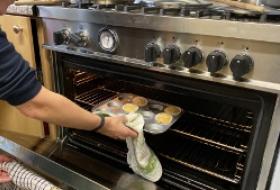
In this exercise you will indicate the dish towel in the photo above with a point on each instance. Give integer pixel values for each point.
(141, 159)
(24, 179)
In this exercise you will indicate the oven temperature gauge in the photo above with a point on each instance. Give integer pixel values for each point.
(108, 40)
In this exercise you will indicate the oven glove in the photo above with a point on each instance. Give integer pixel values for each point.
(24, 179)
(141, 159)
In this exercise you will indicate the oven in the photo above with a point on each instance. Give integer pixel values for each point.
(218, 143)
(226, 83)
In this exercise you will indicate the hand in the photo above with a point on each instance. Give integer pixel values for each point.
(114, 127)
(4, 177)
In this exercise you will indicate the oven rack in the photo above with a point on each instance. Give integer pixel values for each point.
(101, 145)
(213, 143)
(234, 180)
(225, 123)
(82, 78)
(84, 81)
(95, 96)
(190, 154)
(212, 134)
(235, 143)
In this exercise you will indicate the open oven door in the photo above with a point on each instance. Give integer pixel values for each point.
(38, 157)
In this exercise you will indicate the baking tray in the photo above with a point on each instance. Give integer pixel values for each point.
(158, 116)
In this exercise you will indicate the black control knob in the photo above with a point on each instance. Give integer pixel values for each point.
(241, 65)
(171, 54)
(192, 57)
(79, 39)
(152, 52)
(215, 61)
(61, 37)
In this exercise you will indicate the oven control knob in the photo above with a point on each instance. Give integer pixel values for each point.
(171, 54)
(215, 61)
(61, 37)
(192, 57)
(152, 52)
(241, 65)
(79, 39)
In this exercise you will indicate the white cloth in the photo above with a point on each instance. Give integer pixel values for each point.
(141, 159)
(24, 179)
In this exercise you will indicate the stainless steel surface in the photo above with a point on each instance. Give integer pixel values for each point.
(261, 51)
(271, 3)
(252, 84)
(50, 168)
(270, 147)
(106, 174)
(265, 32)
(108, 2)
(258, 40)
(276, 175)
(257, 85)
(178, 3)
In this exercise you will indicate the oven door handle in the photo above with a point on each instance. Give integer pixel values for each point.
(48, 167)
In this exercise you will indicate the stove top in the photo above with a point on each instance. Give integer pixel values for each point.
(202, 10)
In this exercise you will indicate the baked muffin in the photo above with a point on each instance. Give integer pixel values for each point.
(173, 110)
(140, 101)
(164, 118)
(130, 108)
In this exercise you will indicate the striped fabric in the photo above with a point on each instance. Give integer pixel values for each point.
(24, 179)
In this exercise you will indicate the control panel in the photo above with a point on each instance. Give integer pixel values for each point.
(206, 56)
(215, 61)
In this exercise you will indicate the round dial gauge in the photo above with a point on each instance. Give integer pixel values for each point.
(108, 40)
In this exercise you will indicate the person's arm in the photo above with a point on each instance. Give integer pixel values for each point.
(19, 87)
(54, 108)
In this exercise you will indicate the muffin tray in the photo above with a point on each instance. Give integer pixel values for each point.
(158, 116)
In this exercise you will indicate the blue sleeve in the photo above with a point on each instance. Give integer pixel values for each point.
(18, 82)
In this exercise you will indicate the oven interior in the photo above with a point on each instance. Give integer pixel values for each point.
(217, 144)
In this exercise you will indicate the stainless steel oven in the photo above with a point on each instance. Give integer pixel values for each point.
(225, 81)
(217, 144)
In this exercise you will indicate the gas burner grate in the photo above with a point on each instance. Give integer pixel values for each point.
(103, 7)
(170, 12)
(151, 10)
(203, 12)
(234, 14)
